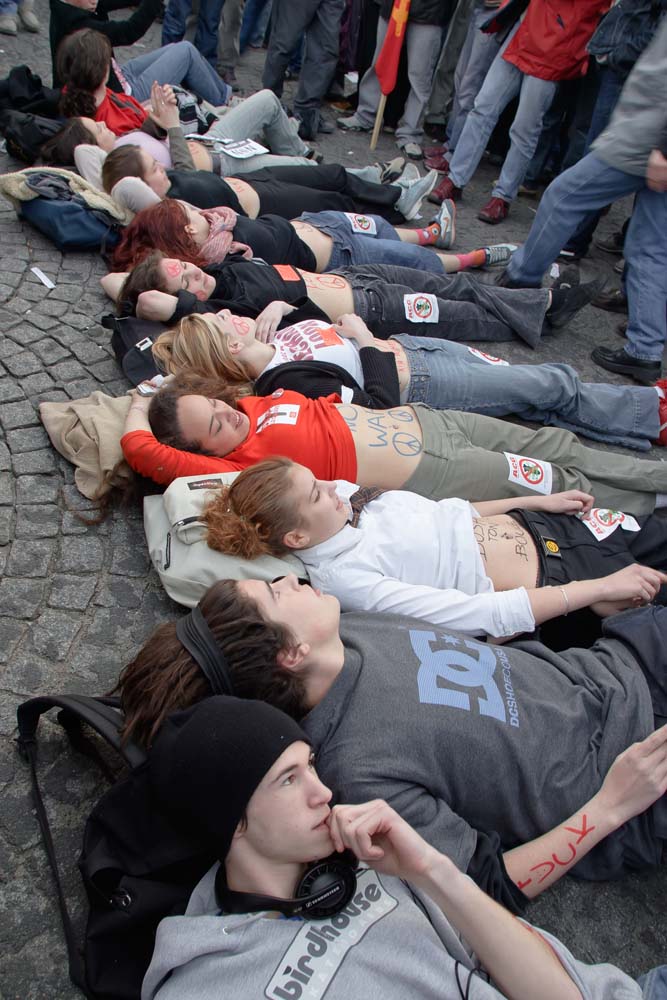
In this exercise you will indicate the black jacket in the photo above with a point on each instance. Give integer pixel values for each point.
(625, 31)
(320, 378)
(65, 19)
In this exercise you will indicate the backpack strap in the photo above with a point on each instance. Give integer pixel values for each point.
(104, 716)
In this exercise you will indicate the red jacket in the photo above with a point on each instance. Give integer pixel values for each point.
(121, 113)
(552, 38)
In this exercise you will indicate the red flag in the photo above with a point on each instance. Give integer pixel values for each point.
(386, 64)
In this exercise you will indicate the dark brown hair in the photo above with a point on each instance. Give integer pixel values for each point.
(145, 277)
(164, 678)
(163, 409)
(122, 162)
(82, 63)
(59, 149)
(251, 517)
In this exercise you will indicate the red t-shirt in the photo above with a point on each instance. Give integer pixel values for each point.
(120, 112)
(309, 431)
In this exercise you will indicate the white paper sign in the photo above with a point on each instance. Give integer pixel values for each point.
(602, 522)
(362, 224)
(421, 308)
(489, 358)
(283, 413)
(530, 473)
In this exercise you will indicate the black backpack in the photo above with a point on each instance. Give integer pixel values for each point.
(131, 340)
(136, 867)
(25, 134)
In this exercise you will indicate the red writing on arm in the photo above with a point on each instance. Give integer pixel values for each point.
(550, 863)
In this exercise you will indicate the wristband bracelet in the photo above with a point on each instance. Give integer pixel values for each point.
(567, 601)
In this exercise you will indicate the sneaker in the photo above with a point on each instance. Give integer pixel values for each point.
(27, 15)
(612, 243)
(353, 124)
(409, 176)
(8, 25)
(446, 219)
(578, 297)
(662, 412)
(496, 210)
(438, 162)
(499, 254)
(390, 170)
(619, 361)
(411, 198)
(445, 190)
(413, 151)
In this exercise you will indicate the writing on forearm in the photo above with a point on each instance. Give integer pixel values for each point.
(564, 857)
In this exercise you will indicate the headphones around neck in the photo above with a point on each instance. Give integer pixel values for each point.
(325, 888)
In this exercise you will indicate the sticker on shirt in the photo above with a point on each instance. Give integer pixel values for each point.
(362, 224)
(602, 522)
(315, 955)
(277, 394)
(489, 358)
(301, 341)
(287, 272)
(529, 473)
(283, 413)
(206, 484)
(421, 308)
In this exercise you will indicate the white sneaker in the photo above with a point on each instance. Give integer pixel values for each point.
(446, 219)
(353, 124)
(8, 24)
(499, 254)
(413, 151)
(411, 198)
(27, 15)
(409, 176)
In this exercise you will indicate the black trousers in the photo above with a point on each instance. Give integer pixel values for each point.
(582, 556)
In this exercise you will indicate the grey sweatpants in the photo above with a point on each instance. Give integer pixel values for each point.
(464, 456)
(393, 300)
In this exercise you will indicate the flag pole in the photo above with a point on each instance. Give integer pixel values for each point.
(378, 120)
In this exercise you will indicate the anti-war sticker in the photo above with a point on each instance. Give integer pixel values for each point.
(529, 473)
(421, 308)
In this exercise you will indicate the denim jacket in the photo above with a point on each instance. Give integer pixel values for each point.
(624, 33)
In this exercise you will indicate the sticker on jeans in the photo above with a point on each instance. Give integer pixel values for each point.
(362, 224)
(602, 522)
(284, 413)
(489, 358)
(528, 472)
(421, 308)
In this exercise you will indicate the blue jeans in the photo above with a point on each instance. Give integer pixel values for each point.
(587, 186)
(503, 82)
(251, 15)
(206, 36)
(477, 54)
(384, 247)
(654, 983)
(177, 63)
(8, 6)
(451, 376)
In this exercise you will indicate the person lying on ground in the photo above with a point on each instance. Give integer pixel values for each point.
(317, 358)
(194, 426)
(497, 569)
(316, 241)
(502, 756)
(406, 923)
(388, 298)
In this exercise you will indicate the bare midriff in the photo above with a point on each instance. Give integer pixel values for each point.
(387, 443)
(402, 363)
(319, 242)
(330, 292)
(247, 196)
(507, 550)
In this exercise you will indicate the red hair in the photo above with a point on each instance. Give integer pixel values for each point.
(160, 227)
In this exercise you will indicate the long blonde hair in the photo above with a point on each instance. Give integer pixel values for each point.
(251, 517)
(197, 346)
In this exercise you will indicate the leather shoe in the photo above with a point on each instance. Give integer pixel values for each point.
(495, 211)
(439, 162)
(619, 361)
(612, 300)
(445, 189)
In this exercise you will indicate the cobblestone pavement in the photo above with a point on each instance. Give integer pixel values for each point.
(77, 601)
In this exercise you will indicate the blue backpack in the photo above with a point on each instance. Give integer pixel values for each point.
(71, 225)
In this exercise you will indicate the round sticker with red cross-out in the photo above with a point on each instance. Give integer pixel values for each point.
(530, 473)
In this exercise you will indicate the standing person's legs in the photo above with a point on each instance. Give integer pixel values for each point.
(482, 51)
(369, 88)
(453, 306)
(588, 185)
(229, 34)
(479, 458)
(534, 101)
(175, 17)
(646, 276)
(288, 21)
(206, 36)
(262, 112)
(320, 58)
(447, 375)
(423, 49)
(251, 15)
(179, 63)
(502, 83)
